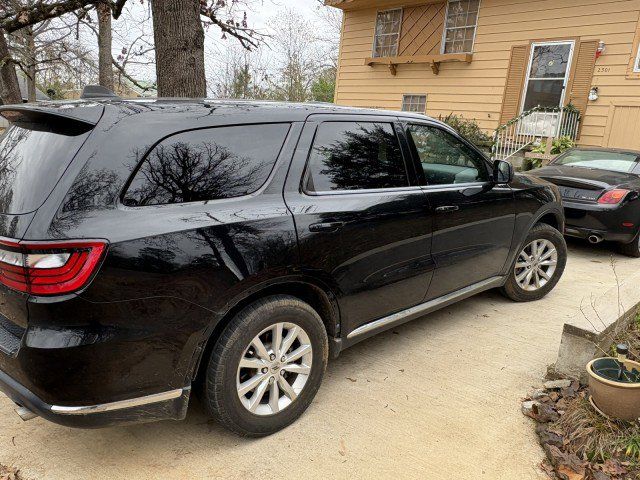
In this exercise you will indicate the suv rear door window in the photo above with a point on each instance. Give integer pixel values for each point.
(208, 164)
(444, 158)
(32, 160)
(355, 156)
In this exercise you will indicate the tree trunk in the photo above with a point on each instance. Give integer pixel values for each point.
(179, 41)
(9, 87)
(31, 65)
(105, 70)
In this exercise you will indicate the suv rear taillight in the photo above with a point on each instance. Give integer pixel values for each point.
(49, 268)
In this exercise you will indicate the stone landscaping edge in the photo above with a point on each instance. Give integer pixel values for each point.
(589, 333)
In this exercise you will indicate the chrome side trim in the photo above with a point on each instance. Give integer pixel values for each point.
(427, 307)
(107, 407)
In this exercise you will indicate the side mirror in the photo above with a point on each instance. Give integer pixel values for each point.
(502, 172)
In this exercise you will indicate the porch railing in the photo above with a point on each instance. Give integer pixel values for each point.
(532, 127)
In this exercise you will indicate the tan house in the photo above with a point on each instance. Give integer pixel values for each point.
(516, 62)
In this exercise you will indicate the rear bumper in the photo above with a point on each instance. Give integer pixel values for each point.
(171, 404)
(605, 221)
(89, 377)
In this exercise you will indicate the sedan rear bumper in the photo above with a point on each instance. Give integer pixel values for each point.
(171, 404)
(605, 221)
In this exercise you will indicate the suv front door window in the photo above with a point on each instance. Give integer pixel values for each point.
(445, 159)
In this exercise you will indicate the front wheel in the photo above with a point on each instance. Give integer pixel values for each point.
(267, 366)
(539, 265)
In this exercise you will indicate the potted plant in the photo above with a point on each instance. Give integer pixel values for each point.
(614, 385)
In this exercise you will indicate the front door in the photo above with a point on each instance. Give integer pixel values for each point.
(546, 83)
(363, 224)
(473, 219)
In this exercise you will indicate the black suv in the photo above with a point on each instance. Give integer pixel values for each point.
(148, 246)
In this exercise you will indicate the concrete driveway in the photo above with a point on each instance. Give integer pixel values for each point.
(438, 398)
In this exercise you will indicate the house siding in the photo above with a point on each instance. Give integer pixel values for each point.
(476, 90)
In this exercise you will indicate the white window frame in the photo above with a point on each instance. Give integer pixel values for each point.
(567, 73)
(405, 95)
(636, 66)
(444, 28)
(375, 30)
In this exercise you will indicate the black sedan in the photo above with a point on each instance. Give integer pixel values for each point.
(600, 190)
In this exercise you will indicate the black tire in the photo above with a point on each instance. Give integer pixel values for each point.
(220, 393)
(540, 231)
(631, 249)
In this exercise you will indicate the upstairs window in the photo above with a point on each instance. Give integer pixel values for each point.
(387, 33)
(460, 26)
(636, 65)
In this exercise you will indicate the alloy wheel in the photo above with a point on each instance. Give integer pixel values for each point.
(536, 265)
(274, 368)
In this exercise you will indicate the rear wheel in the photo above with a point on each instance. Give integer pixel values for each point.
(539, 265)
(267, 366)
(631, 249)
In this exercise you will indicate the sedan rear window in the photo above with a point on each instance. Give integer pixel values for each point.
(32, 160)
(600, 159)
(208, 164)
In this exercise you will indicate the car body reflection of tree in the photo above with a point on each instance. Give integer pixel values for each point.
(364, 159)
(182, 173)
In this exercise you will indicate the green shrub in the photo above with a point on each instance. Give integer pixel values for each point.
(558, 146)
(469, 129)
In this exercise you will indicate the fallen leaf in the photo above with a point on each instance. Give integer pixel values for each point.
(613, 468)
(546, 467)
(549, 437)
(567, 473)
(598, 475)
(543, 413)
(343, 448)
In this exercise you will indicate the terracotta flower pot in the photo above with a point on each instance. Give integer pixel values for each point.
(615, 399)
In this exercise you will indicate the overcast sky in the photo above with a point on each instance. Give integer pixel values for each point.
(135, 22)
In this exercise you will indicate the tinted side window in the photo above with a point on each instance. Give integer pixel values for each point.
(355, 156)
(207, 164)
(444, 158)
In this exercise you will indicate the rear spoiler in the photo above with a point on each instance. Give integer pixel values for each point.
(66, 121)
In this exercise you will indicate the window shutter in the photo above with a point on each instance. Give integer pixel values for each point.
(515, 82)
(583, 74)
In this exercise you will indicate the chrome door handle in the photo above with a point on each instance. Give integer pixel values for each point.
(325, 226)
(447, 208)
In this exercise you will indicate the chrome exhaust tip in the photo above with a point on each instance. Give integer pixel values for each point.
(24, 413)
(593, 238)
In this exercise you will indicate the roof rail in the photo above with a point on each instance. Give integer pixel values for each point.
(97, 91)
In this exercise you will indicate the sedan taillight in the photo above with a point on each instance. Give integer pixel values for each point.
(49, 268)
(613, 197)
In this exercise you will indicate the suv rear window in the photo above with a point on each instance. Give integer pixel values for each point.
(207, 164)
(355, 156)
(32, 160)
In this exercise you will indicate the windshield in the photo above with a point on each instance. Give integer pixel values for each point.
(602, 160)
(32, 161)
